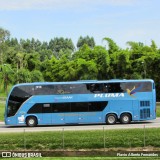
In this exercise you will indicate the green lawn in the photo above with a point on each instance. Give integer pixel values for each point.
(78, 140)
(84, 143)
(158, 109)
(2, 108)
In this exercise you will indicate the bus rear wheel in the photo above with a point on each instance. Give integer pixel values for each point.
(111, 119)
(125, 118)
(31, 121)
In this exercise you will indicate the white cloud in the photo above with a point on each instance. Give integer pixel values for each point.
(56, 4)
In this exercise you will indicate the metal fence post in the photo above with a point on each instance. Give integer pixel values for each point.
(24, 139)
(63, 138)
(104, 139)
(144, 136)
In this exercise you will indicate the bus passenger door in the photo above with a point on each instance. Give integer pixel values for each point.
(58, 113)
(71, 113)
(47, 113)
(136, 110)
(92, 112)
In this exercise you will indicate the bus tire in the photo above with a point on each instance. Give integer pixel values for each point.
(111, 119)
(125, 118)
(31, 121)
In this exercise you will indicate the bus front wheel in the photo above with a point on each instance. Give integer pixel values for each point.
(125, 118)
(111, 119)
(31, 121)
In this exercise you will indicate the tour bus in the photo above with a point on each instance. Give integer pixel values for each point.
(81, 102)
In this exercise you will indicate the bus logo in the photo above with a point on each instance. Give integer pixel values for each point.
(109, 95)
(131, 92)
(134, 90)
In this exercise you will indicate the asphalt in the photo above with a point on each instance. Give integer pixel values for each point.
(145, 124)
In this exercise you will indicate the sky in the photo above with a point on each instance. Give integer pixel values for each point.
(120, 20)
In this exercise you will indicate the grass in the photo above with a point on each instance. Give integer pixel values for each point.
(4, 93)
(77, 140)
(88, 143)
(2, 108)
(158, 109)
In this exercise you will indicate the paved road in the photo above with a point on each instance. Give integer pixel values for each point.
(146, 124)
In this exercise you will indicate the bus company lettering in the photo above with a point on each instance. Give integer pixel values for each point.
(108, 95)
(63, 97)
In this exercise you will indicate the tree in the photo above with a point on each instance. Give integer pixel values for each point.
(58, 45)
(84, 52)
(153, 46)
(112, 46)
(123, 64)
(97, 56)
(45, 54)
(86, 40)
(24, 76)
(4, 35)
(136, 49)
(86, 69)
(102, 60)
(6, 76)
(26, 45)
(36, 76)
(33, 61)
(11, 42)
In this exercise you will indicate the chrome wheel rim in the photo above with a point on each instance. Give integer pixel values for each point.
(31, 121)
(125, 118)
(111, 119)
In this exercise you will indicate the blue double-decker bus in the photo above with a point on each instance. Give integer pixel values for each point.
(81, 102)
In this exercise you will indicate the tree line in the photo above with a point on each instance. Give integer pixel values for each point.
(31, 60)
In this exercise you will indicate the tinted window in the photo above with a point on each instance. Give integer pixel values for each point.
(21, 93)
(80, 88)
(139, 86)
(40, 108)
(61, 107)
(37, 108)
(113, 88)
(44, 89)
(17, 97)
(95, 87)
(79, 107)
(97, 106)
(68, 107)
(123, 87)
(47, 108)
(13, 107)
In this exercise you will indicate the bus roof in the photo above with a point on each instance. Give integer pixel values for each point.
(85, 82)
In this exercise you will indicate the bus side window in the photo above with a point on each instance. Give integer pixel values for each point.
(114, 88)
(96, 88)
(108, 88)
(105, 88)
(47, 108)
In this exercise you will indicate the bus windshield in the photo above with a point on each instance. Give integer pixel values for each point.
(17, 97)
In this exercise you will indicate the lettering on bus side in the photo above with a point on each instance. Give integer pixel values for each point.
(108, 95)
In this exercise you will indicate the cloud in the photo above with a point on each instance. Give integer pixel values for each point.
(59, 4)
